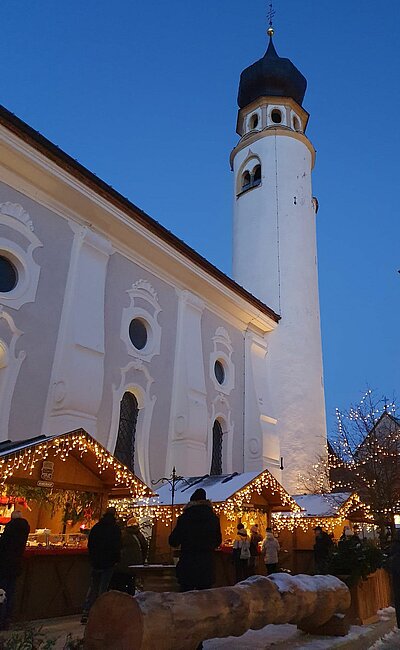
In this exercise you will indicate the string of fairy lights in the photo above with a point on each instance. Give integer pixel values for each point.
(61, 447)
(300, 520)
(235, 507)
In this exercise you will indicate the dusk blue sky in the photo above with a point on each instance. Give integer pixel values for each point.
(144, 95)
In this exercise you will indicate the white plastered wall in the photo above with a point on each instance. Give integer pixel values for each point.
(274, 257)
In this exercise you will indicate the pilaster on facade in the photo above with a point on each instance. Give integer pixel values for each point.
(261, 442)
(188, 427)
(10, 364)
(78, 369)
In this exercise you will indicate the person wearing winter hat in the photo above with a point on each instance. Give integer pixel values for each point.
(198, 533)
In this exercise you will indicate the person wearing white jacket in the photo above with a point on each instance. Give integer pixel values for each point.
(270, 549)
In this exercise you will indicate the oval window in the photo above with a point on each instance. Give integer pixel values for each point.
(219, 372)
(8, 275)
(254, 121)
(138, 333)
(276, 116)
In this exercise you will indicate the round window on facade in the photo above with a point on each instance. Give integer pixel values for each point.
(276, 116)
(8, 275)
(219, 372)
(138, 333)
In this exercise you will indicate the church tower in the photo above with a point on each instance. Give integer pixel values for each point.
(274, 250)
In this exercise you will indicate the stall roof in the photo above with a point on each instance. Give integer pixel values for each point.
(78, 443)
(321, 505)
(225, 486)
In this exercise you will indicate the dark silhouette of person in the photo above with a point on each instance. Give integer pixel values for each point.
(394, 567)
(322, 550)
(198, 533)
(255, 539)
(104, 547)
(12, 547)
(133, 551)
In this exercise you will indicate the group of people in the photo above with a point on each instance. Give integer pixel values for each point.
(113, 549)
(246, 549)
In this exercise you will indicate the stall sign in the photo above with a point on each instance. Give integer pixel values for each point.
(46, 484)
(47, 470)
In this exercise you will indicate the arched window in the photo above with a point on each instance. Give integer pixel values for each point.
(250, 179)
(216, 461)
(125, 445)
(246, 181)
(257, 175)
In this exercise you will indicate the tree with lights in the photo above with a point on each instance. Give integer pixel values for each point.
(365, 456)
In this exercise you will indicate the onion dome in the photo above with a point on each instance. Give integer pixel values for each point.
(271, 76)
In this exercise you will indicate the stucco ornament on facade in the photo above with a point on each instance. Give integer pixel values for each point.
(142, 291)
(222, 352)
(15, 217)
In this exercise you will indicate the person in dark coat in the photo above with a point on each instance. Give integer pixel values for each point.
(12, 547)
(394, 567)
(323, 548)
(198, 533)
(104, 547)
(134, 551)
(255, 539)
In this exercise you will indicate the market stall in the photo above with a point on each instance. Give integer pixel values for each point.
(332, 511)
(62, 486)
(250, 498)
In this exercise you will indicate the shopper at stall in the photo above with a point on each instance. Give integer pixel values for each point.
(255, 539)
(323, 548)
(241, 553)
(198, 533)
(270, 548)
(12, 546)
(104, 546)
(133, 551)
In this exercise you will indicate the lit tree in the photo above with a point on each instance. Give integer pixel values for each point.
(365, 456)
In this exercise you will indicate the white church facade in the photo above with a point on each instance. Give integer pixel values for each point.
(110, 323)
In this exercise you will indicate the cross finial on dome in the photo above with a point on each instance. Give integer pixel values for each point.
(270, 15)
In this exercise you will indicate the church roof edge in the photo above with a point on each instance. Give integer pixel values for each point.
(65, 161)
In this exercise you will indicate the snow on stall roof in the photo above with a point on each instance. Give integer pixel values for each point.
(218, 488)
(321, 505)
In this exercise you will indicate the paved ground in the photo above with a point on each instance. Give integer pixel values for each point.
(279, 637)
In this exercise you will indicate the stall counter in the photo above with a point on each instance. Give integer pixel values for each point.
(53, 583)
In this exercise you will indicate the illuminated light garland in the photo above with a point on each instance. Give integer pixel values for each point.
(61, 447)
(237, 506)
(292, 521)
